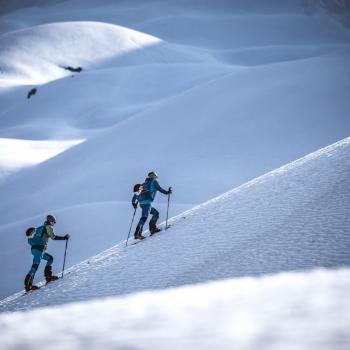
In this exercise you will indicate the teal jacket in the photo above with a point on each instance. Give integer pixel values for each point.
(41, 236)
(147, 195)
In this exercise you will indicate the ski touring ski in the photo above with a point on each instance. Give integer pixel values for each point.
(137, 241)
(26, 292)
(42, 284)
(49, 282)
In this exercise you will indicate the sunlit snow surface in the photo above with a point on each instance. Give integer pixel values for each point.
(17, 154)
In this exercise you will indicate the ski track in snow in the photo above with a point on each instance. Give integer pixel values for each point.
(294, 218)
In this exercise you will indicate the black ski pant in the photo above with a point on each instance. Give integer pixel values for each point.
(146, 210)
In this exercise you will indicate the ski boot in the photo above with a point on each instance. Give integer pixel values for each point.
(140, 237)
(28, 283)
(48, 275)
(138, 234)
(153, 229)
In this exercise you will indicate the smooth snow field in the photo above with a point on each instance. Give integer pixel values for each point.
(293, 218)
(291, 311)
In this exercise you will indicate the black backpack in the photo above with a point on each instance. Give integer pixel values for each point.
(30, 231)
(137, 187)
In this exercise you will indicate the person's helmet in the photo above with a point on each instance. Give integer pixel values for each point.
(51, 219)
(30, 231)
(152, 174)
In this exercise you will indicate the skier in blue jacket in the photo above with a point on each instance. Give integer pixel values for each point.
(145, 196)
(38, 238)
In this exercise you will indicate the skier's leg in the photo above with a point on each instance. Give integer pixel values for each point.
(145, 211)
(28, 281)
(153, 223)
(48, 268)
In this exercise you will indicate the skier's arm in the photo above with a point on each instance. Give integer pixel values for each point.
(134, 200)
(158, 188)
(52, 235)
(49, 231)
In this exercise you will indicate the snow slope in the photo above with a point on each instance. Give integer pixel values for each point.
(290, 311)
(293, 218)
(221, 91)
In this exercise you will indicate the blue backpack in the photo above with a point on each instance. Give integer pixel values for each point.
(35, 235)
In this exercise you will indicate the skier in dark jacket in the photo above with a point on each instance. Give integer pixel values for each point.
(38, 238)
(145, 196)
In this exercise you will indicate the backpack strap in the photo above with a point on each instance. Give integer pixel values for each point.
(151, 189)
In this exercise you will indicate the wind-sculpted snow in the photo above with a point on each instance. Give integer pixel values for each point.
(39, 54)
(290, 311)
(225, 32)
(294, 218)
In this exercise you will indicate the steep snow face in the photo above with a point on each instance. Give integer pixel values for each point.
(289, 311)
(294, 218)
(209, 94)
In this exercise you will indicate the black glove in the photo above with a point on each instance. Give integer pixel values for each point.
(66, 237)
(170, 191)
(134, 204)
(60, 238)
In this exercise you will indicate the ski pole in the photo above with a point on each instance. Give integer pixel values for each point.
(64, 259)
(132, 221)
(167, 212)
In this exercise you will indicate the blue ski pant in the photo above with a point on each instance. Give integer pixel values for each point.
(38, 255)
(146, 210)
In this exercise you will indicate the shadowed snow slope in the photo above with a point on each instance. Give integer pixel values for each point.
(210, 94)
(290, 311)
(294, 218)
